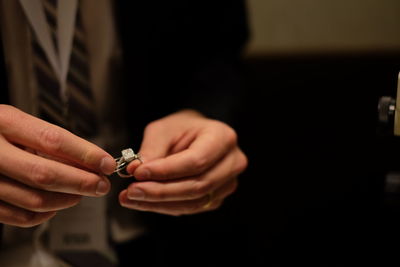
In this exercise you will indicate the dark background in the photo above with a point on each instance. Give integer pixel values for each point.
(314, 191)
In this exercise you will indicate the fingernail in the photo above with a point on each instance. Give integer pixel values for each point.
(107, 165)
(102, 188)
(136, 193)
(143, 174)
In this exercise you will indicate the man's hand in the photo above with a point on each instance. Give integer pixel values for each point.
(191, 165)
(44, 168)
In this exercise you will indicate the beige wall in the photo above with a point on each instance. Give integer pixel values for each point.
(315, 26)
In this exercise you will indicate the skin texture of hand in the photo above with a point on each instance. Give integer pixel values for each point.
(190, 165)
(44, 169)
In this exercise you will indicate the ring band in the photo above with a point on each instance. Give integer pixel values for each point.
(210, 197)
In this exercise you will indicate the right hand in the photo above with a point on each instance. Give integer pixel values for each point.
(32, 187)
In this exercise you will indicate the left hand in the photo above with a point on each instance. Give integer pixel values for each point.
(191, 164)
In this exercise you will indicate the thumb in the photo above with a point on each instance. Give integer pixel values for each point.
(156, 144)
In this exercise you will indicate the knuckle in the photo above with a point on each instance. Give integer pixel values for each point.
(200, 188)
(199, 163)
(159, 194)
(26, 219)
(153, 126)
(41, 175)
(37, 203)
(86, 186)
(228, 133)
(87, 157)
(7, 115)
(243, 163)
(231, 135)
(50, 139)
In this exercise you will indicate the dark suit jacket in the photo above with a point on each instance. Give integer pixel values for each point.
(182, 54)
(177, 54)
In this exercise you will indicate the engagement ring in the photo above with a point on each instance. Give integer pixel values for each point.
(128, 155)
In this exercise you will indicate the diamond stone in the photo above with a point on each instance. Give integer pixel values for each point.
(128, 154)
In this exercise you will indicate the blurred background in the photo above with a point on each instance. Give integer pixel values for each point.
(315, 191)
(323, 26)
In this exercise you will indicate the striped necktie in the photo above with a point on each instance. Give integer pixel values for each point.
(77, 113)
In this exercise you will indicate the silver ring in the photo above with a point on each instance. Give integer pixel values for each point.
(128, 155)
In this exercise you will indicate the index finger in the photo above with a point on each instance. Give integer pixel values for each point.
(22, 128)
(201, 155)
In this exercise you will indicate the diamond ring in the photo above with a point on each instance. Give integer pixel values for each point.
(128, 155)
